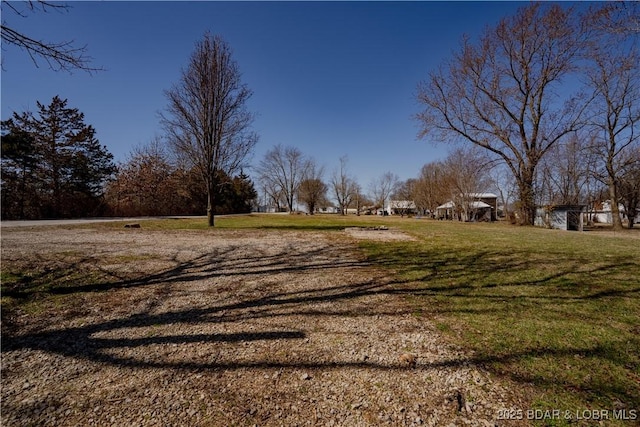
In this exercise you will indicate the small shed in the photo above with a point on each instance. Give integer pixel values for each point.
(561, 217)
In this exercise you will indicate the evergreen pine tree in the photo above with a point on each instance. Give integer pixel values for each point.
(69, 166)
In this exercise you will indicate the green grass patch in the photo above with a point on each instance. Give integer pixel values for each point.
(36, 284)
(292, 222)
(48, 285)
(558, 310)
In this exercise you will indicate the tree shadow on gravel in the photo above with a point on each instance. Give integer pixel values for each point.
(86, 275)
(88, 342)
(461, 271)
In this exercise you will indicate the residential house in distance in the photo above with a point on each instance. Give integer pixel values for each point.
(328, 209)
(602, 213)
(401, 207)
(470, 207)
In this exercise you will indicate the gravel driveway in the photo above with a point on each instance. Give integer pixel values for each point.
(218, 328)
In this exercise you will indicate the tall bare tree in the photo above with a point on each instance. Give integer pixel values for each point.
(467, 175)
(502, 183)
(430, 190)
(503, 92)
(402, 197)
(565, 173)
(613, 72)
(359, 199)
(344, 187)
(282, 170)
(382, 187)
(62, 55)
(312, 190)
(207, 120)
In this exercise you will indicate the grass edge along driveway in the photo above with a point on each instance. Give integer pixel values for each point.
(556, 310)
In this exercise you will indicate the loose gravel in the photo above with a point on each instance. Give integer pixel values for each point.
(218, 328)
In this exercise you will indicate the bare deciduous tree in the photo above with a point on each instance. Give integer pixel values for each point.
(467, 175)
(282, 170)
(613, 72)
(403, 196)
(430, 190)
(273, 194)
(312, 190)
(59, 56)
(458, 178)
(206, 120)
(565, 173)
(382, 187)
(502, 93)
(145, 183)
(344, 187)
(359, 199)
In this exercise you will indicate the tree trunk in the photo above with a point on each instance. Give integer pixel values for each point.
(527, 198)
(210, 219)
(615, 210)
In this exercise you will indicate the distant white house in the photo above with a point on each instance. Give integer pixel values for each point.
(470, 207)
(328, 209)
(401, 207)
(602, 213)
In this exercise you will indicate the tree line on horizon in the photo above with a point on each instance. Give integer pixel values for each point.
(506, 94)
(54, 167)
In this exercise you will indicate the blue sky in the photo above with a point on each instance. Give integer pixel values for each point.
(331, 78)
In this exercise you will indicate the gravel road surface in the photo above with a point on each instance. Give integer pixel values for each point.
(219, 328)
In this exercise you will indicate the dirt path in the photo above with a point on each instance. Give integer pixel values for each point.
(226, 328)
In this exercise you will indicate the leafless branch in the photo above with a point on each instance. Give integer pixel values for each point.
(59, 56)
